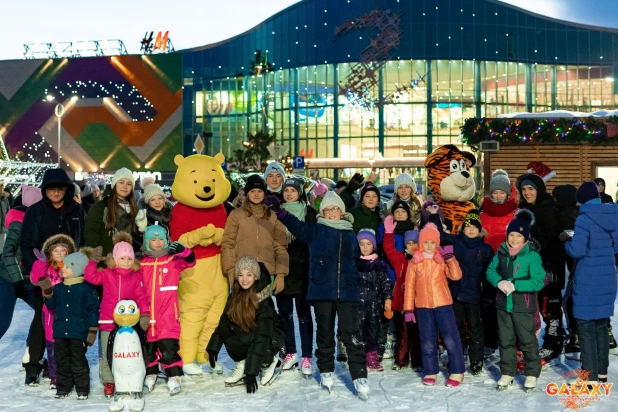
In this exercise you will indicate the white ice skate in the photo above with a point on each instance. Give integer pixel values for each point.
(237, 376)
(136, 403)
(192, 369)
(306, 368)
(504, 382)
(290, 362)
(117, 403)
(173, 384)
(362, 387)
(530, 383)
(326, 380)
(150, 382)
(270, 372)
(218, 369)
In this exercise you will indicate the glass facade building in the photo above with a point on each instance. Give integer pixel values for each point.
(291, 75)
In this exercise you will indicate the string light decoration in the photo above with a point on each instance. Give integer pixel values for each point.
(406, 88)
(14, 171)
(590, 130)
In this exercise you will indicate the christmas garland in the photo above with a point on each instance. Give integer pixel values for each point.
(593, 130)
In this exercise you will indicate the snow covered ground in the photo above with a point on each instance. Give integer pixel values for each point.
(391, 390)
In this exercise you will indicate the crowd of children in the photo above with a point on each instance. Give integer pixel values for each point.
(403, 275)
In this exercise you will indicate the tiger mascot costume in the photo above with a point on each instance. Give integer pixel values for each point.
(451, 183)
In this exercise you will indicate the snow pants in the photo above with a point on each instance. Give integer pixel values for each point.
(488, 315)
(518, 328)
(347, 313)
(407, 342)
(442, 319)
(52, 369)
(468, 316)
(72, 366)
(105, 372)
(36, 347)
(594, 344)
(202, 294)
(164, 352)
(285, 304)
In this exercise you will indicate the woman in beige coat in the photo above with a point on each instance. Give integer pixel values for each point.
(253, 230)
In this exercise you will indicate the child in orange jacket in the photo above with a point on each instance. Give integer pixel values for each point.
(427, 294)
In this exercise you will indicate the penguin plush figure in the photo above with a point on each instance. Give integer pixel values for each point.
(127, 357)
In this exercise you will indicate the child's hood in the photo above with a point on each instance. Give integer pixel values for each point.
(604, 215)
(364, 265)
(14, 215)
(499, 209)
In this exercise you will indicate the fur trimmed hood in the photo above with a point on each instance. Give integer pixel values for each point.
(54, 241)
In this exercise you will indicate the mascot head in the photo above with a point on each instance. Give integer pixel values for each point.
(126, 313)
(448, 176)
(200, 181)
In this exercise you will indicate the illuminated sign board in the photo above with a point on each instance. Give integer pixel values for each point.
(161, 43)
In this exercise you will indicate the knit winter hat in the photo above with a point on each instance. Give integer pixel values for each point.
(369, 187)
(255, 182)
(152, 190)
(123, 173)
(155, 232)
(524, 219)
(429, 232)
(473, 218)
(331, 199)
(77, 262)
(500, 181)
(87, 191)
(586, 192)
(30, 195)
(275, 167)
(400, 204)
(122, 246)
(297, 184)
(411, 235)
(249, 263)
(405, 179)
(320, 189)
(78, 190)
(370, 235)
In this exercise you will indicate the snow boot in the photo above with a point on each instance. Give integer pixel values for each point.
(290, 362)
(109, 389)
(32, 380)
(52, 383)
(173, 383)
(192, 369)
(504, 382)
(150, 382)
(237, 376)
(306, 368)
(82, 396)
(476, 368)
(270, 371)
(342, 354)
(530, 383)
(430, 380)
(136, 403)
(326, 380)
(454, 380)
(372, 362)
(362, 387)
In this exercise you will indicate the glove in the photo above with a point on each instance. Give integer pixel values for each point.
(356, 182)
(510, 288)
(281, 213)
(273, 202)
(409, 317)
(446, 251)
(212, 358)
(97, 254)
(176, 247)
(46, 286)
(251, 383)
(505, 287)
(279, 284)
(144, 322)
(388, 312)
(92, 336)
(389, 225)
(565, 237)
(20, 290)
(39, 255)
(141, 220)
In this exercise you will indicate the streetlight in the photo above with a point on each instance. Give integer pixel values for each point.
(59, 110)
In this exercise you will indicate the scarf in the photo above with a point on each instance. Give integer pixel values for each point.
(428, 255)
(157, 253)
(342, 224)
(299, 210)
(372, 257)
(125, 205)
(514, 251)
(73, 281)
(277, 190)
(403, 227)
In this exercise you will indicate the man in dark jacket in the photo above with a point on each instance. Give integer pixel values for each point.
(56, 213)
(546, 230)
(605, 198)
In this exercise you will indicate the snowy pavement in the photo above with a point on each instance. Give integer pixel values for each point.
(391, 390)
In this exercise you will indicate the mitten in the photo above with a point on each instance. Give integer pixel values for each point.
(447, 252)
(141, 220)
(144, 322)
(92, 336)
(212, 358)
(388, 313)
(281, 213)
(176, 247)
(279, 284)
(389, 225)
(251, 383)
(39, 255)
(46, 286)
(503, 285)
(409, 317)
(97, 254)
(273, 202)
(510, 288)
(356, 182)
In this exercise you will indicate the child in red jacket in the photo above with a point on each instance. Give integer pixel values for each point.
(161, 267)
(407, 340)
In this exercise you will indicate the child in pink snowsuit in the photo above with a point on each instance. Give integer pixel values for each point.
(161, 267)
(121, 279)
(46, 274)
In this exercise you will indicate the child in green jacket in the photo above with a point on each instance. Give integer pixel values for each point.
(518, 273)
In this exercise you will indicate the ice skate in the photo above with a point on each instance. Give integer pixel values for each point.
(32, 380)
(136, 402)
(530, 383)
(52, 383)
(504, 382)
(342, 354)
(192, 369)
(454, 380)
(109, 389)
(396, 367)
(82, 396)
(430, 380)
(218, 369)
(306, 369)
(362, 387)
(117, 404)
(270, 372)
(63, 395)
(150, 382)
(290, 362)
(476, 368)
(173, 383)
(326, 380)
(237, 376)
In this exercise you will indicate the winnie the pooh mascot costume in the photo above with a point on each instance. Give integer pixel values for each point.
(451, 183)
(198, 220)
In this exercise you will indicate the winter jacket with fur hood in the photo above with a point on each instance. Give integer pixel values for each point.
(474, 256)
(426, 281)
